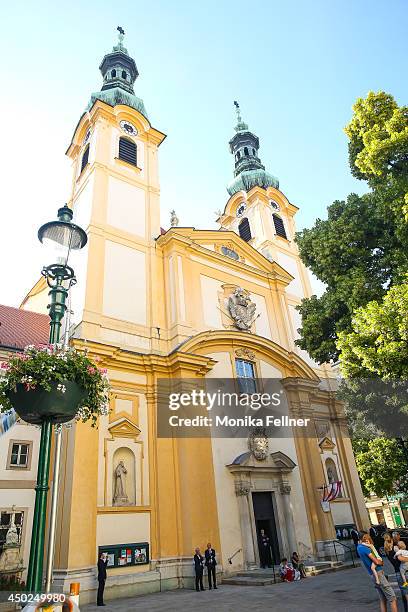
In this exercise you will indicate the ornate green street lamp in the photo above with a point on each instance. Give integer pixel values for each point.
(63, 236)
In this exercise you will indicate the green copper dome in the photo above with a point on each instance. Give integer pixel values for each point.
(118, 96)
(248, 179)
(249, 171)
(119, 73)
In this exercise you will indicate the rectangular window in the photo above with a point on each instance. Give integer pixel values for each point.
(245, 376)
(19, 456)
(128, 151)
(244, 230)
(279, 227)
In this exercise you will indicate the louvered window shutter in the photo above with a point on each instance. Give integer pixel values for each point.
(85, 157)
(245, 230)
(128, 151)
(279, 227)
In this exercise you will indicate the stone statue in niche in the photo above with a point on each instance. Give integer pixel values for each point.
(120, 497)
(331, 476)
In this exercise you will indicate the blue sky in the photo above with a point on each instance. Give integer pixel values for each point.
(295, 67)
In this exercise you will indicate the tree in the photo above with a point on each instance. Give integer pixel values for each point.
(378, 342)
(374, 362)
(381, 466)
(378, 139)
(360, 250)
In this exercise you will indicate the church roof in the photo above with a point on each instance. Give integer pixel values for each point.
(18, 328)
(117, 95)
(119, 72)
(248, 179)
(249, 171)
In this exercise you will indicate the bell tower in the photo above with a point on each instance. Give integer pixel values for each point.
(115, 197)
(262, 215)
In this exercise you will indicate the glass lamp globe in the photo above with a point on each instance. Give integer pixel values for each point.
(62, 236)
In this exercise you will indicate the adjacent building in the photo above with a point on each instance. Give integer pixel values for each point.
(20, 442)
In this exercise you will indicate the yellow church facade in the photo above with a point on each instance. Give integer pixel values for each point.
(153, 304)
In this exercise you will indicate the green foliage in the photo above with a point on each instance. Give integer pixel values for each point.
(378, 342)
(381, 466)
(40, 367)
(378, 138)
(359, 251)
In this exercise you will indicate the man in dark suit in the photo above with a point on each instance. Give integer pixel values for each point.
(102, 563)
(210, 563)
(264, 550)
(199, 569)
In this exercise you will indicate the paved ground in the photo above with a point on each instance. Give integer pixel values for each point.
(344, 591)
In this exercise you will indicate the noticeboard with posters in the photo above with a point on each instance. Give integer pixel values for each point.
(125, 555)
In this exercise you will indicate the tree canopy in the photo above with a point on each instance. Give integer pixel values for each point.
(381, 466)
(359, 251)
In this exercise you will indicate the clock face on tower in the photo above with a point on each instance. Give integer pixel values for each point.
(128, 128)
(275, 205)
(241, 209)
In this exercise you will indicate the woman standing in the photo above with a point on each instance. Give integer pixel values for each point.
(390, 548)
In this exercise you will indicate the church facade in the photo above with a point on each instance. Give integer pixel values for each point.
(196, 304)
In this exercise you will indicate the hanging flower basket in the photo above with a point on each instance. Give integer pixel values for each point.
(53, 382)
(60, 404)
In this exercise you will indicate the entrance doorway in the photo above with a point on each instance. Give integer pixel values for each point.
(265, 519)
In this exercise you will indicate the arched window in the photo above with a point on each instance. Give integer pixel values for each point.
(239, 155)
(124, 74)
(245, 230)
(85, 157)
(279, 227)
(245, 376)
(253, 152)
(245, 150)
(113, 73)
(128, 151)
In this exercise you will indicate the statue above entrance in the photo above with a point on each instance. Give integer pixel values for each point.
(258, 443)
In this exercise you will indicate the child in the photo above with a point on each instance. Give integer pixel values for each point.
(367, 541)
(402, 556)
(287, 573)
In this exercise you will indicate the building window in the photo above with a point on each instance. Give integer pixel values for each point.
(128, 151)
(124, 74)
(5, 523)
(245, 230)
(253, 152)
(279, 227)
(113, 73)
(245, 150)
(19, 455)
(85, 157)
(245, 376)
(238, 155)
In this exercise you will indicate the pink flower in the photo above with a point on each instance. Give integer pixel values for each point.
(91, 370)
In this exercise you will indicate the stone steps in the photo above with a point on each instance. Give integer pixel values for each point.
(264, 577)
